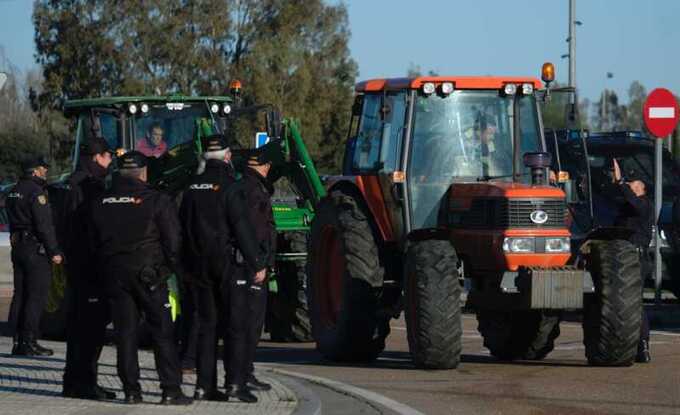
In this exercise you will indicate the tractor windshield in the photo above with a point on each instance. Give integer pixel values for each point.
(166, 126)
(465, 136)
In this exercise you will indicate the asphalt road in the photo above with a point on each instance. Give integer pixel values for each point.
(560, 384)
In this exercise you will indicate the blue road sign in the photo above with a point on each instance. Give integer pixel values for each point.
(261, 139)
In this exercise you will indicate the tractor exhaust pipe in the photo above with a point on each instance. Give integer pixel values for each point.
(539, 164)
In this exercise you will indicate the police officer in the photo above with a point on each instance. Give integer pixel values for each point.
(136, 236)
(34, 250)
(213, 220)
(637, 215)
(250, 289)
(87, 314)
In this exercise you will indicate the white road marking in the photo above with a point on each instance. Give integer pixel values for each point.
(662, 112)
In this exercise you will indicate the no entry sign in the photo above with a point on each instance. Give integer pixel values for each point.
(661, 112)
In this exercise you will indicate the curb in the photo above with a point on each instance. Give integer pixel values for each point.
(308, 403)
(358, 393)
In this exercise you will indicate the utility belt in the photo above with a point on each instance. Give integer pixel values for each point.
(24, 236)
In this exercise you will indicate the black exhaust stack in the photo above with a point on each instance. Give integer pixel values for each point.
(538, 163)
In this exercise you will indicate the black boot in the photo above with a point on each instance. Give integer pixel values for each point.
(241, 393)
(202, 395)
(643, 354)
(28, 346)
(42, 351)
(95, 393)
(175, 398)
(15, 345)
(133, 397)
(253, 383)
(31, 348)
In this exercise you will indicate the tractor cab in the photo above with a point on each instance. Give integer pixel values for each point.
(448, 153)
(166, 129)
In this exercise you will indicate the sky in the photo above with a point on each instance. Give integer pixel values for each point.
(632, 39)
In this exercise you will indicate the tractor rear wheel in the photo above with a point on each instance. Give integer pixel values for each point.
(433, 315)
(525, 335)
(288, 315)
(345, 279)
(612, 316)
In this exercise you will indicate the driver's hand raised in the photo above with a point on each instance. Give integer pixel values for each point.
(617, 171)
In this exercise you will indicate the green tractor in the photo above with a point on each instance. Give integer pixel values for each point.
(169, 129)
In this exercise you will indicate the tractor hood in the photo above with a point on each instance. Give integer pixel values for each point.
(465, 192)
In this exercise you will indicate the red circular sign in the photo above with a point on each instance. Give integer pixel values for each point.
(661, 112)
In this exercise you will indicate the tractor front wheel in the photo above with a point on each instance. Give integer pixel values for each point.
(433, 315)
(612, 316)
(345, 281)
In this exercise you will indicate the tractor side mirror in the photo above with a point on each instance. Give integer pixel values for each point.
(347, 166)
(357, 106)
(273, 120)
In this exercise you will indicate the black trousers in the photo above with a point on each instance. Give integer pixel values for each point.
(128, 297)
(645, 268)
(189, 326)
(247, 308)
(87, 318)
(32, 278)
(212, 301)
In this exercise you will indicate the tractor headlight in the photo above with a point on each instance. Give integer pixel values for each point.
(510, 89)
(447, 88)
(554, 245)
(518, 245)
(226, 109)
(428, 88)
(132, 109)
(144, 108)
(214, 108)
(527, 89)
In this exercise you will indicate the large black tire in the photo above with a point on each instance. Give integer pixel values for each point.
(288, 315)
(612, 316)
(525, 335)
(345, 281)
(433, 315)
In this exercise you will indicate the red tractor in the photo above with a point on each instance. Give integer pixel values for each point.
(445, 181)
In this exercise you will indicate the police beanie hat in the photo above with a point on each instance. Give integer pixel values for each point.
(132, 160)
(33, 162)
(95, 145)
(215, 142)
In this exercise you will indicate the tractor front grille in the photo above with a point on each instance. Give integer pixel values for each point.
(509, 213)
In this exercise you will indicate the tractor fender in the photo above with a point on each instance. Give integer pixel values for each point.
(367, 191)
(604, 233)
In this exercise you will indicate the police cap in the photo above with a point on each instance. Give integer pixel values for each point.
(272, 152)
(215, 142)
(95, 145)
(132, 160)
(31, 163)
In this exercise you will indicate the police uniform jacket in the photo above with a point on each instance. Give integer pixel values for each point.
(30, 215)
(637, 215)
(215, 223)
(85, 185)
(135, 226)
(258, 191)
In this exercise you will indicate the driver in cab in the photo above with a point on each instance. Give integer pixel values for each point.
(153, 144)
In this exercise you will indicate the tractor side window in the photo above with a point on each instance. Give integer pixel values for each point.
(108, 128)
(367, 148)
(393, 131)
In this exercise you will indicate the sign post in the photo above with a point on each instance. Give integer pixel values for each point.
(661, 114)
